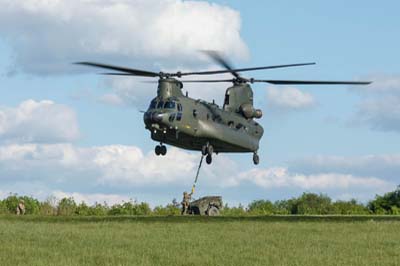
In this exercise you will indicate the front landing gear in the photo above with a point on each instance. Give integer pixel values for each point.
(207, 150)
(160, 150)
(256, 158)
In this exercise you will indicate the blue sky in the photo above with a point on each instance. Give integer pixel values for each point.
(68, 132)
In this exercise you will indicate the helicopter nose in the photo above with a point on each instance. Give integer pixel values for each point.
(156, 117)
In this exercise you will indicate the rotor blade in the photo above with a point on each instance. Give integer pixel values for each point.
(207, 81)
(136, 72)
(311, 82)
(118, 74)
(217, 57)
(243, 69)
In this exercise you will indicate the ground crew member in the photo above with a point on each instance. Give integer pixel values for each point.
(21, 207)
(186, 201)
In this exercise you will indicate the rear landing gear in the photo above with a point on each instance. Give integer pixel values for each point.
(207, 150)
(209, 159)
(160, 150)
(256, 158)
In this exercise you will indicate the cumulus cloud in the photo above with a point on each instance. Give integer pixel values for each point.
(380, 104)
(288, 98)
(46, 36)
(280, 177)
(113, 172)
(38, 121)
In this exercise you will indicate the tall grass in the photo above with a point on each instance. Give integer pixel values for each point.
(199, 241)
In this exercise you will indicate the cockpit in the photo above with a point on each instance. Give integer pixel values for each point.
(168, 104)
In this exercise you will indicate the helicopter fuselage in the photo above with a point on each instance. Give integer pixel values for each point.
(181, 121)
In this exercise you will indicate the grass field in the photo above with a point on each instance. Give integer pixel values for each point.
(275, 240)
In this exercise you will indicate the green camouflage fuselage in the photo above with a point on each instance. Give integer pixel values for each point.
(187, 123)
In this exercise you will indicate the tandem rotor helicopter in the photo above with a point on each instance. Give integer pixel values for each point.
(178, 120)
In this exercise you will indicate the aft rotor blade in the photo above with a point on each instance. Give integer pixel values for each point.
(311, 82)
(243, 69)
(207, 81)
(131, 71)
(217, 57)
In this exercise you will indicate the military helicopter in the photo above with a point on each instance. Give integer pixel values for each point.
(178, 120)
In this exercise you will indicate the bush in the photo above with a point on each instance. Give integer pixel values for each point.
(261, 207)
(130, 208)
(314, 204)
(386, 204)
(351, 207)
(233, 211)
(66, 207)
(170, 209)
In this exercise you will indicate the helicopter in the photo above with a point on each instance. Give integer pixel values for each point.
(194, 124)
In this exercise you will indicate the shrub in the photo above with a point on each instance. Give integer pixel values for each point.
(261, 207)
(66, 207)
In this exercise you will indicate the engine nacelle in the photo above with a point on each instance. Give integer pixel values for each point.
(249, 112)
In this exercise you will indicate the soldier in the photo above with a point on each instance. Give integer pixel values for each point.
(185, 202)
(21, 207)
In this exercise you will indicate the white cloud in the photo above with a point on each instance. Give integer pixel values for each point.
(380, 104)
(46, 36)
(288, 98)
(280, 177)
(115, 165)
(38, 121)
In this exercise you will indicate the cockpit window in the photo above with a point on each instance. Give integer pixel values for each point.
(169, 105)
(179, 107)
(153, 104)
(160, 104)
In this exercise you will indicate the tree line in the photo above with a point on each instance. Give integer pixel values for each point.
(306, 204)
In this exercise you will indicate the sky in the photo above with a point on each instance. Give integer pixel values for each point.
(67, 132)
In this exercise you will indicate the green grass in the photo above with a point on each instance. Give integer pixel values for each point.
(277, 240)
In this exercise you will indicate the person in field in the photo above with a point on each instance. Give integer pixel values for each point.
(21, 207)
(185, 202)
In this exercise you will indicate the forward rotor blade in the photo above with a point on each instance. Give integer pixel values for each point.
(311, 82)
(243, 69)
(132, 71)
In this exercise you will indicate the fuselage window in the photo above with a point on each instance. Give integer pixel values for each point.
(178, 116)
(239, 126)
(171, 118)
(160, 105)
(194, 113)
(179, 107)
(230, 124)
(169, 105)
(153, 104)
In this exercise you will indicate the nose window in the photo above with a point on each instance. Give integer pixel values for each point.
(169, 105)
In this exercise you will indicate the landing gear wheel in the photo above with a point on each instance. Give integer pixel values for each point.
(256, 159)
(210, 150)
(204, 150)
(209, 159)
(157, 150)
(163, 150)
(212, 211)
